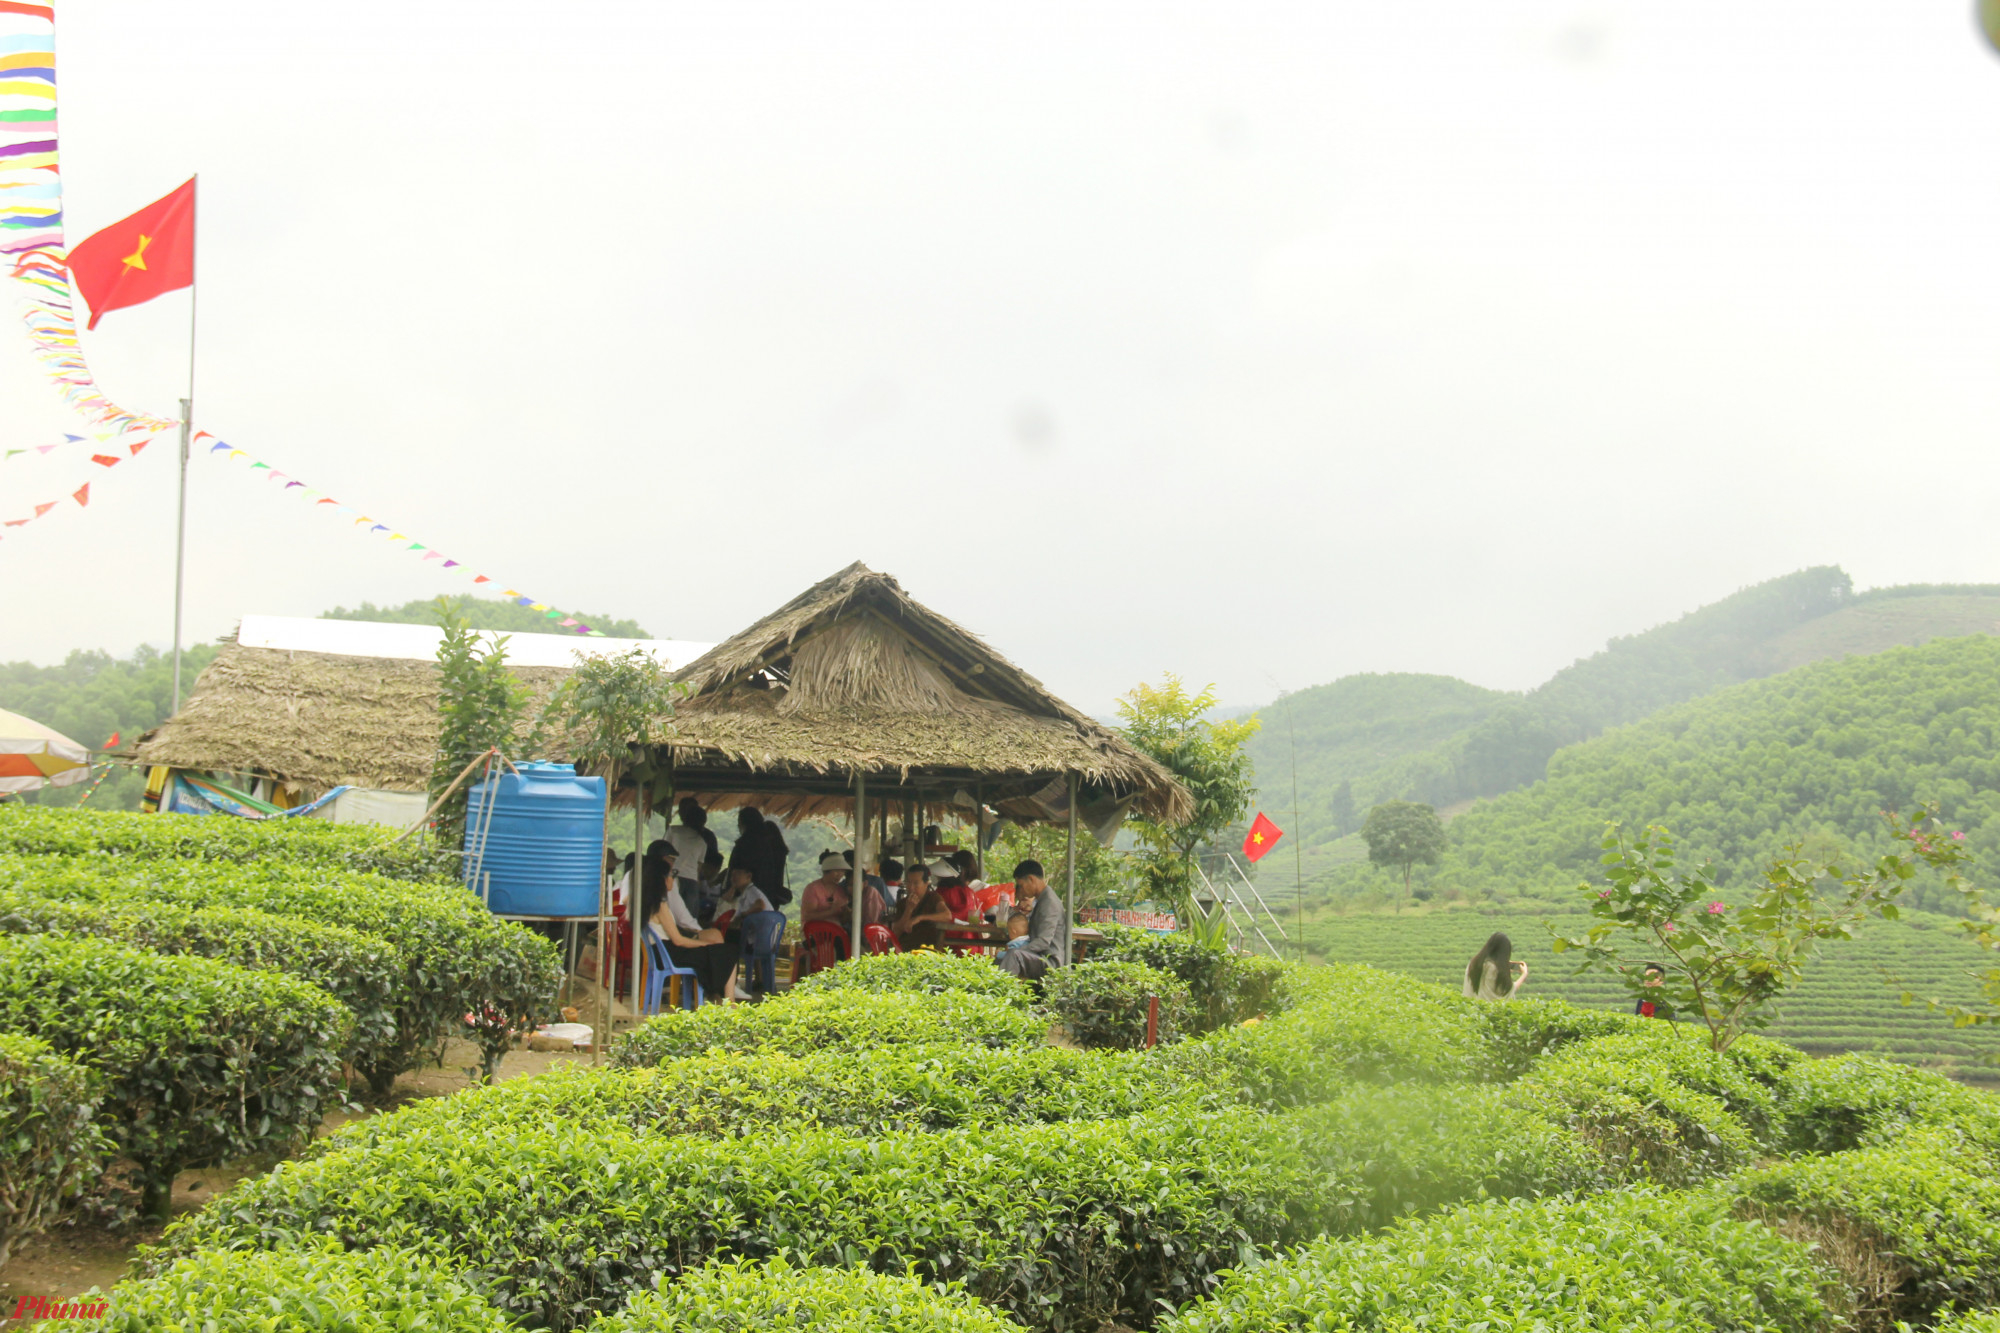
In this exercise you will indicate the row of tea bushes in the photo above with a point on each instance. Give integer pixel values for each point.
(51, 1145)
(318, 843)
(895, 1088)
(1059, 1225)
(201, 1061)
(922, 972)
(852, 1019)
(1914, 1227)
(1618, 1260)
(454, 958)
(361, 971)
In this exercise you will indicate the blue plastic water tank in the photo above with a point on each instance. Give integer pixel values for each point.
(543, 845)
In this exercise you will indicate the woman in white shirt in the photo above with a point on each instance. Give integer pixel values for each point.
(710, 955)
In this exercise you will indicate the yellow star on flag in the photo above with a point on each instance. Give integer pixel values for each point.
(137, 259)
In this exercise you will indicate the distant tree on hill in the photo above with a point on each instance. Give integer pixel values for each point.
(1340, 811)
(1404, 834)
(481, 613)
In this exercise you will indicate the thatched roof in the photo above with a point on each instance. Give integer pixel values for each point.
(313, 720)
(854, 676)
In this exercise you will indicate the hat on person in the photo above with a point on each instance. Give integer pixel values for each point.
(942, 869)
(833, 861)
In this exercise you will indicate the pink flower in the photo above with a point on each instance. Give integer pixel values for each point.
(1958, 837)
(1670, 927)
(1717, 909)
(1604, 893)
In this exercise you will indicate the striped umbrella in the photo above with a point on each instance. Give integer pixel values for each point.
(33, 756)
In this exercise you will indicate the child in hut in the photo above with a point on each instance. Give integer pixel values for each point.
(1017, 930)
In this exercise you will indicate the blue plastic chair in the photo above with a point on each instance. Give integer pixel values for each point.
(761, 933)
(663, 966)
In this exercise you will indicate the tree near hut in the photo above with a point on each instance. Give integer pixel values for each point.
(481, 706)
(608, 716)
(1403, 834)
(1171, 725)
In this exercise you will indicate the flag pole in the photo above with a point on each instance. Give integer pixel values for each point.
(187, 435)
(1298, 842)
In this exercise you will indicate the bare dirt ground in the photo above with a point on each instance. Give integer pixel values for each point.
(73, 1258)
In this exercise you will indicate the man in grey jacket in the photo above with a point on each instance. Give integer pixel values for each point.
(1044, 948)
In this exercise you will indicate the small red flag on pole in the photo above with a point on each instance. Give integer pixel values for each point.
(148, 254)
(111, 744)
(1261, 838)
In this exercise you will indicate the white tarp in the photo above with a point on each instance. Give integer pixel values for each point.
(370, 805)
(367, 638)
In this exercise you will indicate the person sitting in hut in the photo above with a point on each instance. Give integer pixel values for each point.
(892, 884)
(739, 899)
(921, 923)
(826, 897)
(951, 888)
(706, 953)
(1044, 948)
(874, 905)
(1493, 974)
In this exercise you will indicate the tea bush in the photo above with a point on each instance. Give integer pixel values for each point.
(202, 1061)
(1915, 1225)
(738, 1297)
(50, 1143)
(361, 971)
(1855, 1101)
(49, 831)
(1105, 1005)
(1623, 1260)
(896, 1088)
(847, 1019)
(1986, 1321)
(1223, 987)
(457, 958)
(315, 1290)
(1352, 1025)
(923, 972)
(1642, 1122)
(1521, 1032)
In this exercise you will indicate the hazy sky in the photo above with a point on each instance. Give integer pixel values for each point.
(1259, 342)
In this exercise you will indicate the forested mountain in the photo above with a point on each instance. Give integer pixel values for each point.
(1813, 756)
(481, 613)
(1450, 742)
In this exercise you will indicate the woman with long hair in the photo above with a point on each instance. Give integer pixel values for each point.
(1493, 974)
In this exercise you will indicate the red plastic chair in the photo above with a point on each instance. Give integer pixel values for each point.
(878, 939)
(824, 945)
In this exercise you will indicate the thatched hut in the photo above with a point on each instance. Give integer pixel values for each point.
(853, 697)
(304, 706)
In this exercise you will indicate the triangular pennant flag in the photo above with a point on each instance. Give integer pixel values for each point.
(481, 578)
(433, 555)
(12, 452)
(44, 508)
(290, 484)
(73, 439)
(82, 494)
(17, 522)
(416, 546)
(255, 466)
(567, 621)
(397, 537)
(135, 448)
(106, 460)
(46, 448)
(449, 563)
(217, 447)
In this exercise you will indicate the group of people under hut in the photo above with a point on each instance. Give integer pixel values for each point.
(696, 905)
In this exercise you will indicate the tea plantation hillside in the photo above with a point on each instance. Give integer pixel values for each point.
(1846, 1003)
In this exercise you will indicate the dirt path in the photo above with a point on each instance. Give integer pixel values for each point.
(72, 1258)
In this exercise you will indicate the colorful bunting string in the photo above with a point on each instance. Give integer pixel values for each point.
(31, 236)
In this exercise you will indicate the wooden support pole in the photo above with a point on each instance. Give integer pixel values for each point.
(857, 884)
(1069, 882)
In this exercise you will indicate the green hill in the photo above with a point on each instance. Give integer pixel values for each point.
(1812, 756)
(1443, 741)
(480, 613)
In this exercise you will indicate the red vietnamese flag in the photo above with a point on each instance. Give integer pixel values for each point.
(111, 744)
(1261, 838)
(149, 254)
